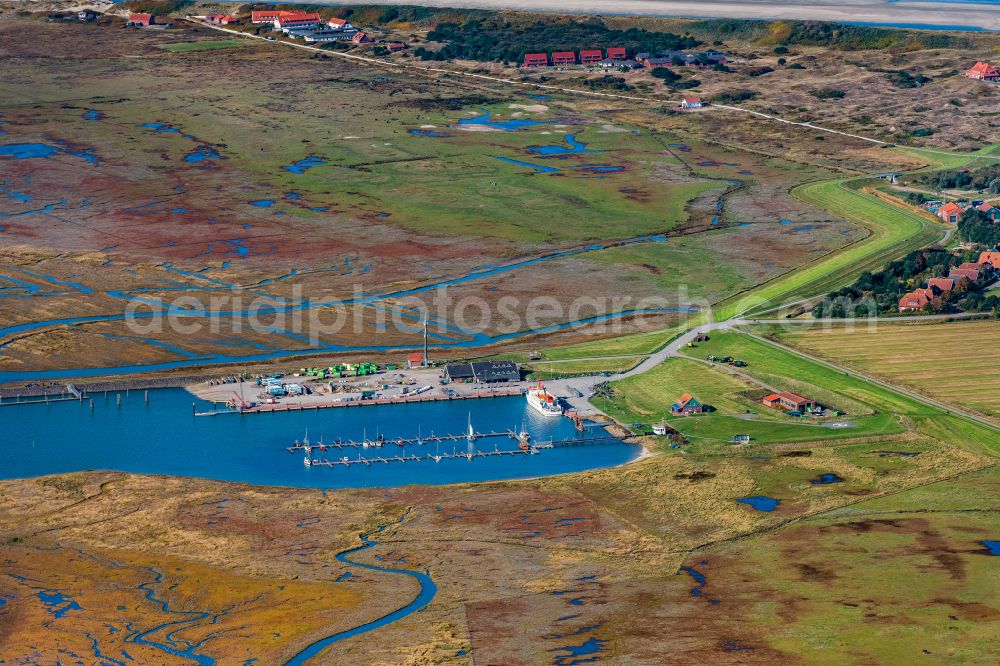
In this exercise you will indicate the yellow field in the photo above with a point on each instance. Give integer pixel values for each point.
(956, 362)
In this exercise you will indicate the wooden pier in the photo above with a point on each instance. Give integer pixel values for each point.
(400, 441)
(347, 462)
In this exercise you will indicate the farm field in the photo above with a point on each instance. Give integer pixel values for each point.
(955, 362)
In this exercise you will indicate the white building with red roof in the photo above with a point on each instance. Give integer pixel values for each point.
(983, 71)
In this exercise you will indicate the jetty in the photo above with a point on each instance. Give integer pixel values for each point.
(296, 406)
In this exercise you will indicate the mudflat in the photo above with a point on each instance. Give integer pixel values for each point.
(911, 14)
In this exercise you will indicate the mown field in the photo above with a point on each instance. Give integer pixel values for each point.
(955, 362)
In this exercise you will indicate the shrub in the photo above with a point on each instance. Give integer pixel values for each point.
(828, 93)
(734, 96)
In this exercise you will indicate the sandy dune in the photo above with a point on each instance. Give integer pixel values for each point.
(967, 15)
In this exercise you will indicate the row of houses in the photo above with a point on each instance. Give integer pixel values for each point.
(681, 59)
(616, 54)
(919, 299)
(952, 211)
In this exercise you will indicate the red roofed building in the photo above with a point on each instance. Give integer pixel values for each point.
(691, 103)
(971, 265)
(950, 212)
(264, 15)
(789, 401)
(941, 284)
(535, 60)
(220, 19)
(361, 38)
(415, 360)
(563, 57)
(971, 273)
(141, 20)
(915, 300)
(591, 55)
(616, 53)
(983, 71)
(687, 404)
(989, 210)
(395, 46)
(338, 24)
(992, 258)
(288, 20)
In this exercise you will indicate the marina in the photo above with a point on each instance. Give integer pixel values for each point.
(156, 432)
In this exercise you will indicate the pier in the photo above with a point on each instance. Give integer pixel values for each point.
(400, 441)
(397, 400)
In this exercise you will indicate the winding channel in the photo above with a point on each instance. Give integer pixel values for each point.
(428, 590)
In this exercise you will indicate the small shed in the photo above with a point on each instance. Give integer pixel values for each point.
(415, 360)
(742, 438)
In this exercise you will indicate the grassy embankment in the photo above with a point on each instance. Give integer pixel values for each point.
(188, 47)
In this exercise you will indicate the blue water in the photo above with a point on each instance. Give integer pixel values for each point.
(508, 125)
(262, 203)
(170, 646)
(427, 133)
(23, 151)
(428, 590)
(58, 603)
(591, 646)
(825, 479)
(992, 546)
(93, 114)
(202, 153)
(575, 148)
(541, 168)
(760, 502)
(164, 437)
(918, 26)
(304, 165)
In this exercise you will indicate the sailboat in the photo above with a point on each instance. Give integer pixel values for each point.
(471, 435)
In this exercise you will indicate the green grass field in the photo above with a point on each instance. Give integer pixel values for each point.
(956, 362)
(871, 409)
(188, 47)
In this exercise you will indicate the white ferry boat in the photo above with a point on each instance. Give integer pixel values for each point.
(543, 402)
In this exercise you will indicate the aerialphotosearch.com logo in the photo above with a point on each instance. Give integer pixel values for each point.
(363, 314)
(469, 317)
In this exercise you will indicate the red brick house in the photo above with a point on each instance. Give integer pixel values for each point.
(971, 273)
(789, 401)
(950, 212)
(361, 38)
(941, 284)
(915, 301)
(687, 404)
(563, 58)
(983, 71)
(141, 20)
(616, 53)
(991, 258)
(535, 60)
(591, 55)
(415, 360)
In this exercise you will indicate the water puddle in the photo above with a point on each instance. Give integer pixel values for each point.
(202, 154)
(575, 148)
(507, 125)
(992, 547)
(825, 479)
(760, 502)
(92, 114)
(540, 168)
(304, 165)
